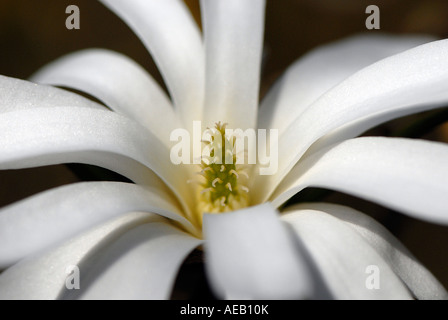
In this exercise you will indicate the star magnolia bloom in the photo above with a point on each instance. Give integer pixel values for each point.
(129, 240)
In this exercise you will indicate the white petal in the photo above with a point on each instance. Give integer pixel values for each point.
(406, 81)
(45, 136)
(142, 264)
(356, 128)
(233, 36)
(40, 221)
(323, 68)
(44, 276)
(407, 175)
(342, 256)
(418, 279)
(250, 255)
(21, 95)
(170, 33)
(119, 82)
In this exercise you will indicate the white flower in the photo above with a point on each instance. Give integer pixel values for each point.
(129, 240)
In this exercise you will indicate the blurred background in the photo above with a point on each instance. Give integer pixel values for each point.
(33, 33)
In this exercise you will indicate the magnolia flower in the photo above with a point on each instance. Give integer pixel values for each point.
(129, 239)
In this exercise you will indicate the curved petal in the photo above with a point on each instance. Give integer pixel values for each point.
(250, 255)
(141, 264)
(170, 33)
(43, 277)
(343, 257)
(53, 216)
(356, 128)
(233, 36)
(404, 174)
(406, 81)
(45, 136)
(19, 94)
(119, 82)
(419, 280)
(323, 68)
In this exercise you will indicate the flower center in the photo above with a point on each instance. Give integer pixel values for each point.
(223, 182)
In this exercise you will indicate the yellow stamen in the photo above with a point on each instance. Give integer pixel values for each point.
(222, 190)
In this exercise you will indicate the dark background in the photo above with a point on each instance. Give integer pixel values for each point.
(33, 33)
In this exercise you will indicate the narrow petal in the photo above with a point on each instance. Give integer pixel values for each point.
(43, 220)
(141, 264)
(18, 95)
(233, 36)
(170, 33)
(356, 128)
(418, 279)
(343, 257)
(406, 81)
(45, 136)
(404, 174)
(250, 255)
(43, 276)
(323, 68)
(119, 82)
